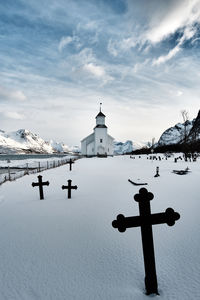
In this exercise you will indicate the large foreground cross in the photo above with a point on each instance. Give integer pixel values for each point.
(69, 187)
(40, 184)
(145, 221)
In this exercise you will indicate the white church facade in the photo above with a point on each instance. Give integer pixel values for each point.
(99, 143)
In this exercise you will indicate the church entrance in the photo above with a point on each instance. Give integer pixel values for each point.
(101, 151)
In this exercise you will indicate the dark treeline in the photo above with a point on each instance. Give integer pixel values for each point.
(185, 148)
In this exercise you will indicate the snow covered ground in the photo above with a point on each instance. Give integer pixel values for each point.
(58, 249)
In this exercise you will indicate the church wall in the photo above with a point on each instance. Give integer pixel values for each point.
(100, 135)
(85, 142)
(90, 149)
(83, 147)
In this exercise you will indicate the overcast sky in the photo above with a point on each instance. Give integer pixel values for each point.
(60, 58)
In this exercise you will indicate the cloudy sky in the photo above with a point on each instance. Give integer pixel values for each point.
(60, 58)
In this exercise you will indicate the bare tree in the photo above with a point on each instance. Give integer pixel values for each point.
(184, 114)
(152, 144)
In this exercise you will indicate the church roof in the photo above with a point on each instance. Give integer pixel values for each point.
(89, 137)
(100, 114)
(100, 126)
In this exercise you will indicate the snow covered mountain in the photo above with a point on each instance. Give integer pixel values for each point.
(24, 141)
(127, 147)
(194, 134)
(175, 134)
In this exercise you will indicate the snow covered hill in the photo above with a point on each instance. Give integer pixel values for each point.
(175, 134)
(24, 141)
(127, 147)
(58, 249)
(194, 134)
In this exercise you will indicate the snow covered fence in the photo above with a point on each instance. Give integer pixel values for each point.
(13, 173)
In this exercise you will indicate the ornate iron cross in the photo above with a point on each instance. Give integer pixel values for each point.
(69, 187)
(145, 221)
(40, 184)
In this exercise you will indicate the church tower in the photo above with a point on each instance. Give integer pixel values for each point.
(100, 132)
(99, 143)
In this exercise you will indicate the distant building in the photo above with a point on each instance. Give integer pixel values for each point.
(99, 143)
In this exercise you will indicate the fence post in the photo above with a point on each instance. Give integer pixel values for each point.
(39, 167)
(9, 177)
(47, 164)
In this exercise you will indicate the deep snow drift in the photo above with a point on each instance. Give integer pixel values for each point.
(58, 249)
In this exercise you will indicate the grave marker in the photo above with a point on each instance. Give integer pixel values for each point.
(157, 172)
(145, 221)
(40, 184)
(70, 162)
(136, 183)
(181, 172)
(69, 187)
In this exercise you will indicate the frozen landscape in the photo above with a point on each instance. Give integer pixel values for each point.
(61, 248)
(24, 141)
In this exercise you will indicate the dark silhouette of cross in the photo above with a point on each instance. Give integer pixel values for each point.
(70, 162)
(69, 187)
(157, 172)
(145, 221)
(40, 184)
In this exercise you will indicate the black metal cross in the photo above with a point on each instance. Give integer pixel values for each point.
(69, 187)
(40, 184)
(145, 221)
(157, 172)
(70, 162)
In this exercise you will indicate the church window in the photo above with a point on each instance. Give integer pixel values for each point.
(101, 140)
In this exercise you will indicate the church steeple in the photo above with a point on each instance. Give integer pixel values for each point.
(100, 114)
(100, 119)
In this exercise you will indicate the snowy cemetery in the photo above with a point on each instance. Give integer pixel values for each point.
(93, 229)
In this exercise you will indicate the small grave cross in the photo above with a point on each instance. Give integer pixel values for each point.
(157, 172)
(145, 221)
(40, 184)
(69, 187)
(70, 162)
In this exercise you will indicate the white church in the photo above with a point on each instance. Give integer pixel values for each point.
(99, 143)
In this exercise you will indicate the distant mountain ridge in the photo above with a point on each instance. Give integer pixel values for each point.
(127, 147)
(194, 134)
(24, 141)
(175, 135)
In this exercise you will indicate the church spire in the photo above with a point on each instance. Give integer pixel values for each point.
(100, 114)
